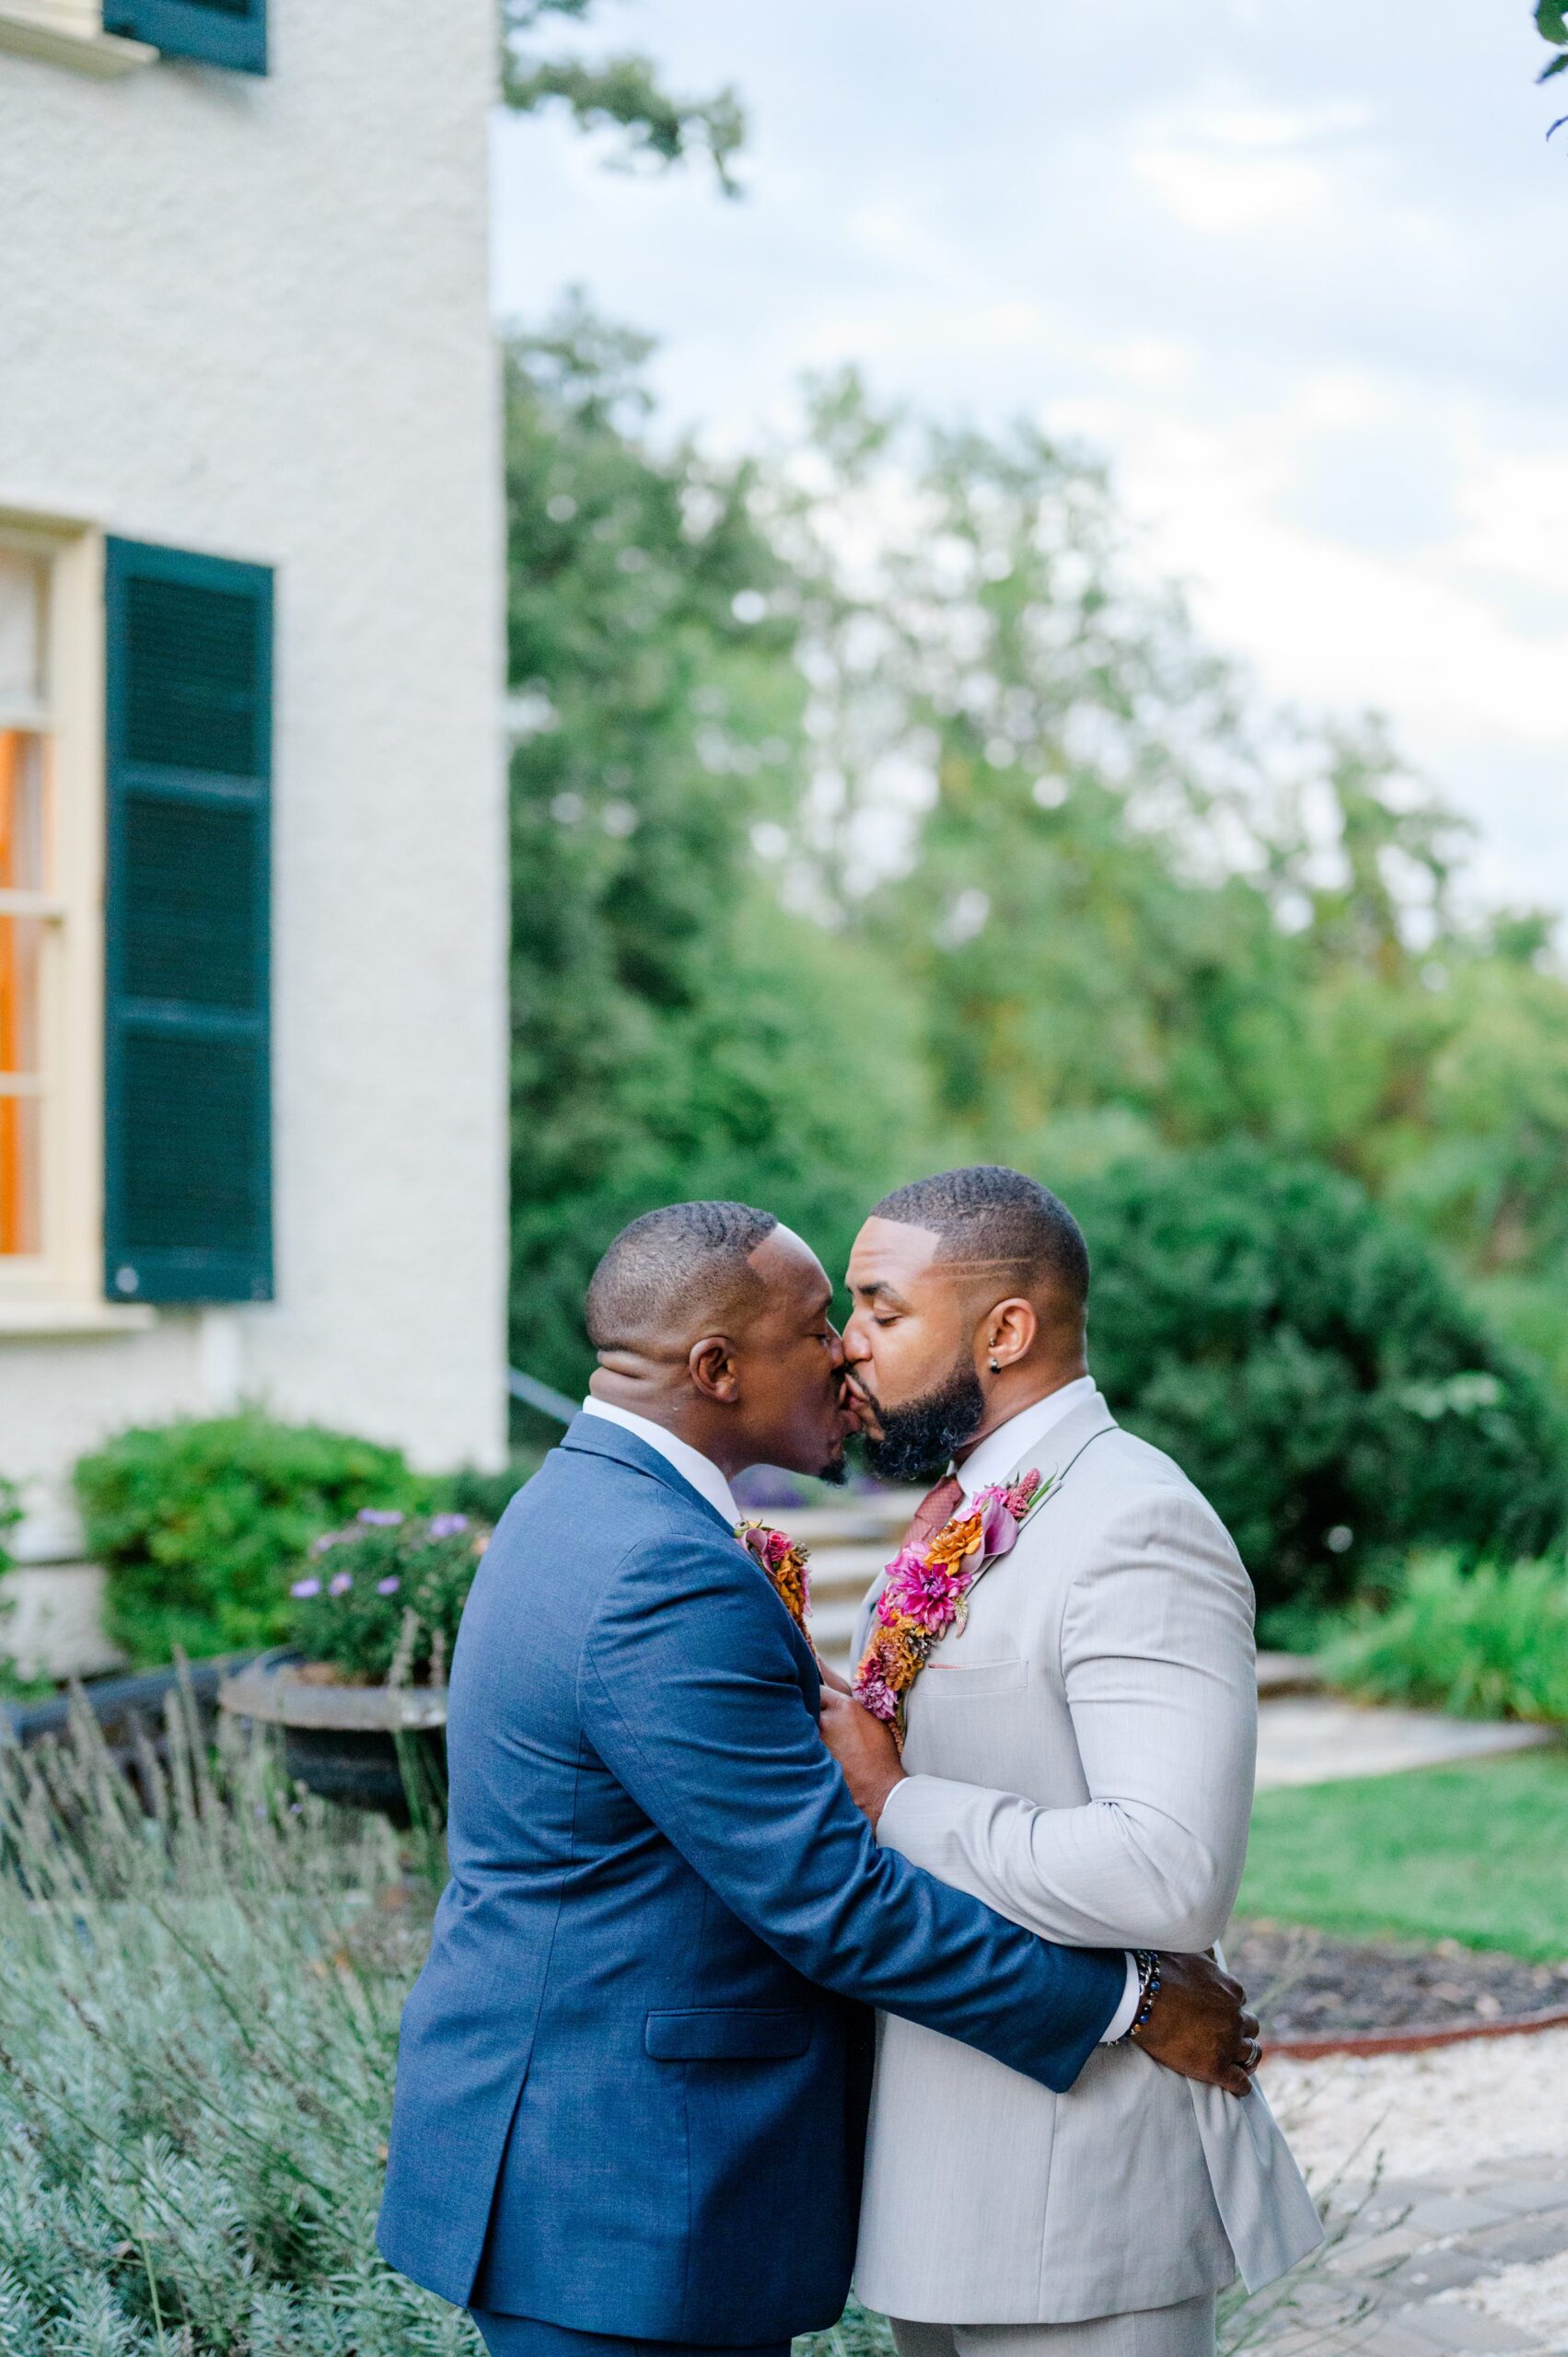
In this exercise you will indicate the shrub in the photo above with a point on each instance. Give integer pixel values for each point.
(387, 1590)
(1490, 1643)
(199, 1524)
(10, 1514)
(1310, 1364)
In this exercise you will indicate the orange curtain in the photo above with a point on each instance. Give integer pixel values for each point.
(16, 1113)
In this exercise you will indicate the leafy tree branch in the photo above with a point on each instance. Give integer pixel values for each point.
(621, 92)
(1551, 23)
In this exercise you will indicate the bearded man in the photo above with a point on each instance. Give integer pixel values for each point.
(1078, 1752)
(632, 2078)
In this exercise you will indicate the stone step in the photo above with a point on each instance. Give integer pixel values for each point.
(879, 1514)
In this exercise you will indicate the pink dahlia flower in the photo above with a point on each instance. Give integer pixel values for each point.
(874, 1694)
(927, 1594)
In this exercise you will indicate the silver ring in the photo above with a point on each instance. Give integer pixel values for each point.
(1251, 2055)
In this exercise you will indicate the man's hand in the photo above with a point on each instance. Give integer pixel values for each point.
(1200, 2027)
(864, 1749)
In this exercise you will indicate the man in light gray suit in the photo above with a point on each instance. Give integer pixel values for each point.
(1079, 1754)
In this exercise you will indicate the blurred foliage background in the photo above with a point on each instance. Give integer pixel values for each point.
(873, 810)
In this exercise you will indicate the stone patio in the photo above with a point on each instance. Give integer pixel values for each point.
(1458, 2242)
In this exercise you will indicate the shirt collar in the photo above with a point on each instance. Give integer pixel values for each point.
(1006, 1449)
(689, 1463)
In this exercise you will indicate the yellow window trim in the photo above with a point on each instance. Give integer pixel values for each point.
(69, 32)
(60, 1289)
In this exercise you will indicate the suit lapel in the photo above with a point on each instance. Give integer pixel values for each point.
(1053, 1456)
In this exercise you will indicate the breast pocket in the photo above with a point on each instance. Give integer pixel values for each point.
(964, 1680)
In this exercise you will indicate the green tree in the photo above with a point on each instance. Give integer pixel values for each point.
(1306, 1360)
(675, 1033)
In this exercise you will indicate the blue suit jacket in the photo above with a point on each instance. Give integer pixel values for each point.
(632, 2075)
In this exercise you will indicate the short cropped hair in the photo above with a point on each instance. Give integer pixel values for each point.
(989, 1214)
(671, 1268)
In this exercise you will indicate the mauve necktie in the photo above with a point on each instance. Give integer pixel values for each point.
(938, 1506)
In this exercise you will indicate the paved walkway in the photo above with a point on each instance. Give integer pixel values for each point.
(1467, 2260)
(1317, 1739)
(1460, 2242)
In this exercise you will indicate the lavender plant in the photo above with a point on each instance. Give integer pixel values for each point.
(198, 2024)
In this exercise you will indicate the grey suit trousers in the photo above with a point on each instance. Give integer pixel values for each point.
(1184, 2329)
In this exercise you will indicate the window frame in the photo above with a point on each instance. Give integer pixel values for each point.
(59, 1288)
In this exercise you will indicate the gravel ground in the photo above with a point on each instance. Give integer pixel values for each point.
(1304, 1983)
(1456, 2107)
(1534, 2299)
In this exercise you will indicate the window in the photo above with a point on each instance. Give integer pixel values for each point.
(225, 32)
(31, 911)
(115, 37)
(51, 870)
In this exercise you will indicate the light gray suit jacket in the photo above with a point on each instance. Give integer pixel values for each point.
(1080, 1757)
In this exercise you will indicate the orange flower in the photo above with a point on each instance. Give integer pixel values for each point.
(960, 1539)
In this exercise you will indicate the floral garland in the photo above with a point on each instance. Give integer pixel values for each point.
(927, 1590)
(785, 1564)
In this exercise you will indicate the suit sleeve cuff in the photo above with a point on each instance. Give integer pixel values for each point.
(1126, 2014)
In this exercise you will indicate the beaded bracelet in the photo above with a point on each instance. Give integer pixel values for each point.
(1148, 1965)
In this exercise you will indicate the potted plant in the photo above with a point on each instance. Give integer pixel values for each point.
(361, 1690)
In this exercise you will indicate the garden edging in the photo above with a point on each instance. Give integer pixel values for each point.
(1409, 2041)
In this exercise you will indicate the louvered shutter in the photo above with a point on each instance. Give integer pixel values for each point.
(187, 1179)
(225, 32)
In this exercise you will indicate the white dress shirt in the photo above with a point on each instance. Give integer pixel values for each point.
(1006, 1451)
(689, 1462)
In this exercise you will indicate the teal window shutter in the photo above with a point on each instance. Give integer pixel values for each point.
(225, 32)
(187, 1096)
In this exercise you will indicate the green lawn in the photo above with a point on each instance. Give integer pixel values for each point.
(1477, 1853)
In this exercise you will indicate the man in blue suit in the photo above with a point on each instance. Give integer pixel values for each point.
(633, 2077)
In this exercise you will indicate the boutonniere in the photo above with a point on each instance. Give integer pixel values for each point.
(928, 1588)
(785, 1564)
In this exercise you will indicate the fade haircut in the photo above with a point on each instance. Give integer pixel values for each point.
(998, 1221)
(671, 1269)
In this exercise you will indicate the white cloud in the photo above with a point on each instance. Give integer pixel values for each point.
(1281, 265)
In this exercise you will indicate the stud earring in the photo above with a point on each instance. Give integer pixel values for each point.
(995, 1369)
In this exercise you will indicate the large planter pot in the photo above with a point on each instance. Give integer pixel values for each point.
(347, 1743)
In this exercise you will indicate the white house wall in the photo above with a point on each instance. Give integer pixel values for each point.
(250, 317)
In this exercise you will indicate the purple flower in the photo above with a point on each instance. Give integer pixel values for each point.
(447, 1526)
(389, 1587)
(340, 1584)
(380, 1518)
(306, 1587)
(328, 1538)
(998, 1523)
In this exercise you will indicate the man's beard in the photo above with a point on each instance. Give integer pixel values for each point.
(920, 1436)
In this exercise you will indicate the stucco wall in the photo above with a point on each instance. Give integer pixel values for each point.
(252, 317)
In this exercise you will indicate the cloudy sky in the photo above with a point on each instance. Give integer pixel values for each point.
(1294, 266)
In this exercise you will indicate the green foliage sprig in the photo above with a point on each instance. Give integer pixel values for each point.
(200, 1522)
(386, 1592)
(10, 1514)
(1489, 1643)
